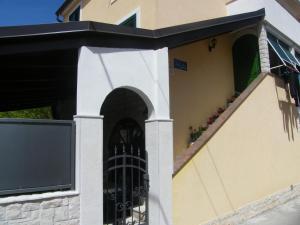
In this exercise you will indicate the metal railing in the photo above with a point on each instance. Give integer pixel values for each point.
(126, 186)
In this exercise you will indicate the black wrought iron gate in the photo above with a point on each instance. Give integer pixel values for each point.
(126, 185)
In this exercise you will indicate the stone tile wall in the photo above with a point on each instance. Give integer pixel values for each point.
(253, 209)
(55, 211)
(264, 49)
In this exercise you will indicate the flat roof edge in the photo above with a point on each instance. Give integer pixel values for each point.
(109, 35)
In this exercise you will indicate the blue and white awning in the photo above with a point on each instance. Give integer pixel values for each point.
(283, 52)
(297, 55)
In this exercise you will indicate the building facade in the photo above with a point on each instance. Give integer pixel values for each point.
(163, 112)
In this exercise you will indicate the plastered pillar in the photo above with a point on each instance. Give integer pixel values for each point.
(263, 49)
(89, 168)
(159, 145)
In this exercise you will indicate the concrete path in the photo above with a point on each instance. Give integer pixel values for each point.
(287, 214)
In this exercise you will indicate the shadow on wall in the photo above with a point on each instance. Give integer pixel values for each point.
(290, 116)
(206, 188)
(160, 208)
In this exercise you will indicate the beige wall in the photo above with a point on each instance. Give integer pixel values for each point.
(104, 11)
(154, 13)
(256, 153)
(175, 12)
(199, 92)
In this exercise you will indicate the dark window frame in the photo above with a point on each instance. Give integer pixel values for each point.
(75, 15)
(131, 21)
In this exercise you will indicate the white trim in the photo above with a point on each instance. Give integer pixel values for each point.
(158, 120)
(241, 32)
(81, 11)
(136, 12)
(88, 117)
(275, 67)
(35, 197)
(79, 4)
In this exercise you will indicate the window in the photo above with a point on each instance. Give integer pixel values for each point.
(282, 51)
(130, 22)
(273, 41)
(75, 16)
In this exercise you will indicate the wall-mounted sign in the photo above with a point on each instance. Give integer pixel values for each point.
(179, 64)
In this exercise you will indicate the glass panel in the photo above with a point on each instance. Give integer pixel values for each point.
(75, 16)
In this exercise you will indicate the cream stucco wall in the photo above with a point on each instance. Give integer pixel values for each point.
(153, 13)
(199, 92)
(107, 12)
(175, 12)
(254, 154)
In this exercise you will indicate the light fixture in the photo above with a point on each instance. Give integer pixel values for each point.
(212, 44)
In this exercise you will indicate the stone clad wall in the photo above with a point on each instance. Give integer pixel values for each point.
(54, 211)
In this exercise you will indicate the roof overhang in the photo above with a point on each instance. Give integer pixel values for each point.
(87, 33)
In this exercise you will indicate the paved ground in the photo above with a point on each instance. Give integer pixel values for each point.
(287, 214)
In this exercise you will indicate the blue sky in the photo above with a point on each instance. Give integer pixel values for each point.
(23, 12)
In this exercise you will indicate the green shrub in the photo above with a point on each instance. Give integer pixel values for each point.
(36, 113)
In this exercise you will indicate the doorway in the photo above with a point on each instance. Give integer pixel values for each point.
(125, 170)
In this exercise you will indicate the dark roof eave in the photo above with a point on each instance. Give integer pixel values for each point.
(108, 35)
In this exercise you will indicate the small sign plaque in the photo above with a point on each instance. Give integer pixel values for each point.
(180, 64)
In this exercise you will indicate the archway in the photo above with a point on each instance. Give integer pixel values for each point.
(125, 175)
(246, 62)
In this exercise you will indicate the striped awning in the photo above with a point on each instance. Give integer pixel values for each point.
(283, 52)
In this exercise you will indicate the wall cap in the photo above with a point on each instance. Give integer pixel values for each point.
(34, 197)
(88, 117)
(159, 120)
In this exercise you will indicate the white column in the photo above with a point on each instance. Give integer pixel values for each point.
(263, 49)
(159, 145)
(89, 168)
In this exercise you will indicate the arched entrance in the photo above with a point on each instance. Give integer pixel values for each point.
(246, 61)
(125, 170)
